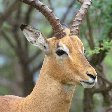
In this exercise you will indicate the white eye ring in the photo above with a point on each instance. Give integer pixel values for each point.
(64, 48)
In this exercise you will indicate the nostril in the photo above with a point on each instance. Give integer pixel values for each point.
(92, 76)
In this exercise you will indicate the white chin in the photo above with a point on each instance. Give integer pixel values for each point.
(85, 85)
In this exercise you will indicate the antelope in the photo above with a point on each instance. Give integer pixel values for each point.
(64, 66)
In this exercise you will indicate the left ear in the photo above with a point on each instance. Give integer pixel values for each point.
(35, 37)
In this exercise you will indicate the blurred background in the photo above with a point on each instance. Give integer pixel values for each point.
(20, 62)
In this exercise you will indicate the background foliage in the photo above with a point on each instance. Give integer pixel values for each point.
(20, 62)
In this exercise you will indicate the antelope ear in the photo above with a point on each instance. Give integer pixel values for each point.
(35, 37)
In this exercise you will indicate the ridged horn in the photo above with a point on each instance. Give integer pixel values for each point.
(74, 29)
(48, 13)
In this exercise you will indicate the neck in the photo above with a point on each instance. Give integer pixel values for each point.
(49, 95)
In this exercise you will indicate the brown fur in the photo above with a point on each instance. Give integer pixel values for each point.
(58, 78)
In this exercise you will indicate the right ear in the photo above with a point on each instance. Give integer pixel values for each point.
(35, 37)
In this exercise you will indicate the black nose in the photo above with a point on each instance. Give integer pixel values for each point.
(91, 76)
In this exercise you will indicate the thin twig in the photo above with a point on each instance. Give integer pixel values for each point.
(104, 79)
(8, 40)
(90, 37)
(67, 11)
(8, 12)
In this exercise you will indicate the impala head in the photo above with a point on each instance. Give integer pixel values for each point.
(65, 51)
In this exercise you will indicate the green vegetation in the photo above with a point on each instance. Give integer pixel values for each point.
(21, 58)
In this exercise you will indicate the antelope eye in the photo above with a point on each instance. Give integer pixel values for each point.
(60, 52)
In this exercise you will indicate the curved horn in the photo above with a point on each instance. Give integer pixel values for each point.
(74, 29)
(48, 13)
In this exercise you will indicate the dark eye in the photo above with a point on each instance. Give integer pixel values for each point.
(60, 52)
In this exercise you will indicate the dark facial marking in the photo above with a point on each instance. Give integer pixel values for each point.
(23, 26)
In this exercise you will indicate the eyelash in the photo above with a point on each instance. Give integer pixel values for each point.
(84, 51)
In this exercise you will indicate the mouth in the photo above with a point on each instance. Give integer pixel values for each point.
(88, 84)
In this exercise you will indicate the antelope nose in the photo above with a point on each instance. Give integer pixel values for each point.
(91, 76)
